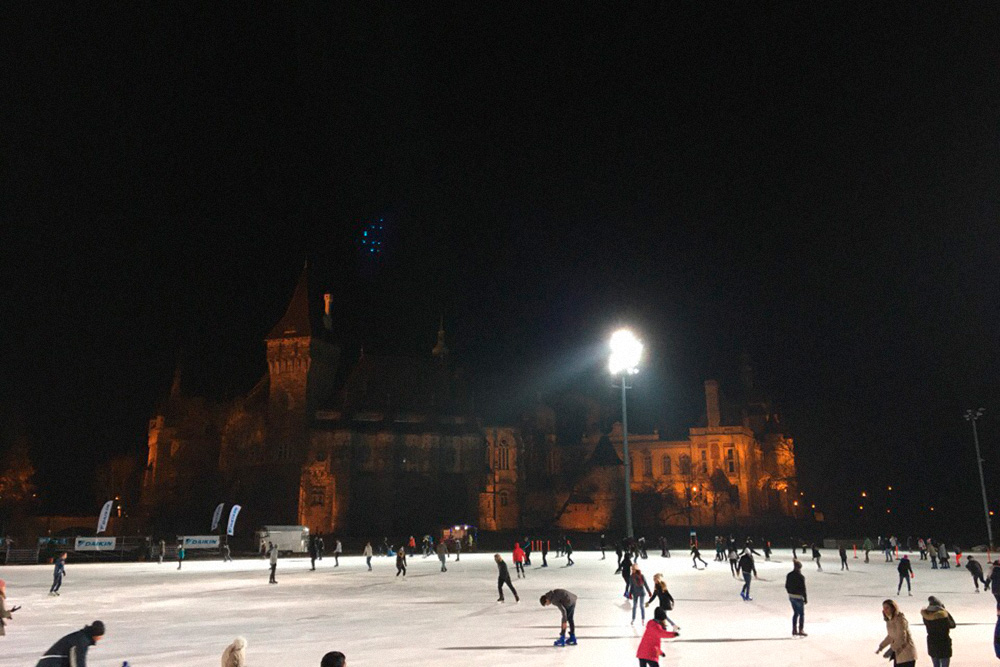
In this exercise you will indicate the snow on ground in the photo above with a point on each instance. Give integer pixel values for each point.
(157, 616)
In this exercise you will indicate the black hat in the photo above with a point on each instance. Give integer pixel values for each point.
(95, 629)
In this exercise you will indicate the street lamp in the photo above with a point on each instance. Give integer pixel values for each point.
(972, 418)
(626, 350)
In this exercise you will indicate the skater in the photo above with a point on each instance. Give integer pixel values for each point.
(994, 580)
(235, 654)
(976, 570)
(943, 556)
(696, 557)
(867, 546)
(932, 552)
(334, 659)
(545, 552)
(180, 555)
(412, 544)
(312, 552)
(939, 624)
(503, 577)
(566, 602)
(618, 554)
(626, 572)
(767, 550)
(272, 554)
(638, 589)
(5, 614)
(71, 650)
(527, 550)
(338, 549)
(922, 548)
(57, 575)
(163, 548)
(425, 545)
(905, 572)
(897, 638)
(401, 562)
(226, 554)
(663, 598)
(519, 560)
(320, 546)
(748, 568)
(458, 550)
(642, 547)
(442, 553)
(816, 557)
(663, 547)
(733, 560)
(367, 553)
(649, 646)
(843, 559)
(795, 586)
(958, 556)
(604, 544)
(569, 553)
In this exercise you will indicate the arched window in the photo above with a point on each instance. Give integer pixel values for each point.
(731, 461)
(685, 464)
(704, 462)
(667, 470)
(647, 465)
(503, 458)
(504, 499)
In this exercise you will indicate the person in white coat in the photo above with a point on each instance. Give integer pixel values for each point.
(235, 654)
(368, 555)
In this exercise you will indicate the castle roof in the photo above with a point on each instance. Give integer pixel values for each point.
(295, 323)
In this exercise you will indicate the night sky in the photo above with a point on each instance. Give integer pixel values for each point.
(813, 184)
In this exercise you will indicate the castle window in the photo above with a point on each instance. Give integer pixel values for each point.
(685, 465)
(318, 496)
(666, 466)
(503, 458)
(283, 452)
(647, 465)
(704, 462)
(504, 499)
(731, 461)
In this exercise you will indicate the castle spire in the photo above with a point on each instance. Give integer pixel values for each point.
(440, 350)
(295, 323)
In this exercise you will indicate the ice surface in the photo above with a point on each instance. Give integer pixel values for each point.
(157, 616)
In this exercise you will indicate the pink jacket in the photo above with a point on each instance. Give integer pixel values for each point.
(518, 554)
(649, 647)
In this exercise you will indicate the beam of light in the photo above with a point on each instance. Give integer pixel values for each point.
(626, 351)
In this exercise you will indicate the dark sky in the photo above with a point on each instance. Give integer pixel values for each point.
(815, 184)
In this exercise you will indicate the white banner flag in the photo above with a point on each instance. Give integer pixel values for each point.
(216, 516)
(233, 513)
(102, 523)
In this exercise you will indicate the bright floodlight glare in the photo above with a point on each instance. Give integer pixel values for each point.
(626, 350)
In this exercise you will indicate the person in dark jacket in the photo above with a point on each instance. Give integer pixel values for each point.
(816, 557)
(312, 552)
(939, 623)
(57, 574)
(843, 558)
(626, 571)
(566, 602)
(401, 562)
(503, 577)
(748, 568)
(638, 588)
(994, 581)
(795, 586)
(905, 572)
(663, 598)
(696, 557)
(976, 570)
(442, 552)
(569, 552)
(618, 553)
(71, 650)
(604, 545)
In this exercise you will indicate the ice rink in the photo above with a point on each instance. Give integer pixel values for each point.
(157, 616)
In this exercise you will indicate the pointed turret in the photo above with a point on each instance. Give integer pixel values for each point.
(440, 350)
(295, 323)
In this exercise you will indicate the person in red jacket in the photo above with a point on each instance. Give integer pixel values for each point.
(519, 560)
(649, 647)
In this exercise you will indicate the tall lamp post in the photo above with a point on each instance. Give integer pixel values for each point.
(972, 418)
(626, 350)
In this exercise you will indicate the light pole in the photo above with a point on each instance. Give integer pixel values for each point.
(972, 418)
(626, 350)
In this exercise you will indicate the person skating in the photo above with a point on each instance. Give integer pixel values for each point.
(57, 574)
(664, 600)
(641, 545)
(71, 650)
(545, 552)
(696, 557)
(401, 562)
(604, 544)
(748, 568)
(5, 614)
(163, 549)
(976, 570)
(569, 553)
(867, 546)
(312, 552)
(943, 556)
(334, 659)
(273, 557)
(637, 591)
(503, 577)
(458, 550)
(180, 555)
(843, 558)
(367, 553)
(664, 551)
(795, 586)
(816, 556)
(733, 563)
(518, 557)
(320, 546)
(901, 648)
(619, 553)
(922, 548)
(905, 572)
(527, 550)
(649, 651)
(767, 550)
(226, 554)
(442, 552)
(412, 545)
(566, 602)
(994, 580)
(235, 655)
(338, 549)
(626, 572)
(939, 624)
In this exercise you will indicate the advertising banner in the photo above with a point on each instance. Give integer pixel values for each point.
(102, 523)
(201, 542)
(233, 513)
(95, 544)
(216, 516)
